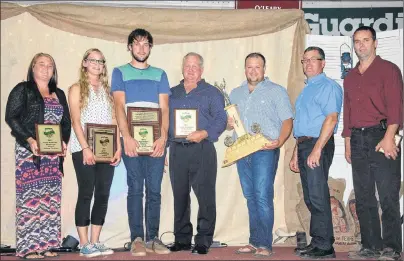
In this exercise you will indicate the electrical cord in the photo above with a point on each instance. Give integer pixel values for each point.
(167, 245)
(215, 244)
(127, 245)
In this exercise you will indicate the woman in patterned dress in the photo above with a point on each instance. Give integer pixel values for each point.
(38, 177)
(90, 102)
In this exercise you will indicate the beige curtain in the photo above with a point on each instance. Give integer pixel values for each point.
(222, 37)
(167, 25)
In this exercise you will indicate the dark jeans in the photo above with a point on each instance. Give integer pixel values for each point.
(141, 171)
(194, 165)
(370, 168)
(92, 179)
(316, 192)
(257, 175)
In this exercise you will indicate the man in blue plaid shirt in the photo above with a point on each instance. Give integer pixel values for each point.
(260, 101)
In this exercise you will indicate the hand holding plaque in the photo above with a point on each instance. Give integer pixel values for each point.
(49, 139)
(246, 143)
(145, 127)
(102, 139)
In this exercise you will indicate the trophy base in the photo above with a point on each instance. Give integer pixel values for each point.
(244, 146)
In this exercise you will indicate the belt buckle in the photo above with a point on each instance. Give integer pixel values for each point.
(301, 139)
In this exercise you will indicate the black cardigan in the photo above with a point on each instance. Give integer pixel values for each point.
(26, 107)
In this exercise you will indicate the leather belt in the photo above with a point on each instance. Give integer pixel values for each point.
(303, 138)
(184, 143)
(371, 128)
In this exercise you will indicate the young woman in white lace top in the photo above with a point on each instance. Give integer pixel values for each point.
(90, 102)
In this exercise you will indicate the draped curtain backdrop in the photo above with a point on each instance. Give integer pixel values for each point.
(222, 37)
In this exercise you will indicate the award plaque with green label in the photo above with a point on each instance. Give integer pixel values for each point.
(49, 139)
(145, 127)
(102, 139)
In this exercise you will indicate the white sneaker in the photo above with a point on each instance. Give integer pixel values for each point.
(103, 249)
(88, 250)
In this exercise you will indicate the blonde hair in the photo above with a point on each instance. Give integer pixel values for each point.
(53, 82)
(84, 82)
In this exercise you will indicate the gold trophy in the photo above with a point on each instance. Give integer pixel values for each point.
(246, 143)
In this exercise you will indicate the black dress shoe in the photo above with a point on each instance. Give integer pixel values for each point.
(390, 254)
(317, 253)
(364, 253)
(200, 250)
(299, 251)
(177, 246)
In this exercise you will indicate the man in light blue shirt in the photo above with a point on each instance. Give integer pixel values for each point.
(260, 101)
(317, 112)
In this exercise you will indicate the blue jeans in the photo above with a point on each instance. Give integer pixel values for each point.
(140, 169)
(257, 174)
(316, 192)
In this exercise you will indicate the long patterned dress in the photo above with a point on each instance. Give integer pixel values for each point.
(38, 194)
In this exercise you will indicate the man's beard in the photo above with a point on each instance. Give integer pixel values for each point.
(254, 83)
(138, 59)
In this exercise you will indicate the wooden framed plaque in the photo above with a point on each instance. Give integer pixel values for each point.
(185, 122)
(102, 140)
(145, 127)
(104, 147)
(49, 138)
(144, 134)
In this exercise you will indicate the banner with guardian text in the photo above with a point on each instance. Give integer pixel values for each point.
(344, 21)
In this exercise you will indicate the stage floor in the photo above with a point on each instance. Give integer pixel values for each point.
(226, 253)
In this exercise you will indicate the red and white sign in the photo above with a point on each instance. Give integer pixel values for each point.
(268, 4)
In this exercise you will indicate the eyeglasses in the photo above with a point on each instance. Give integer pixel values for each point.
(95, 61)
(311, 60)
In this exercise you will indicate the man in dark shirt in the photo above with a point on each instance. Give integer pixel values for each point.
(372, 93)
(192, 160)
